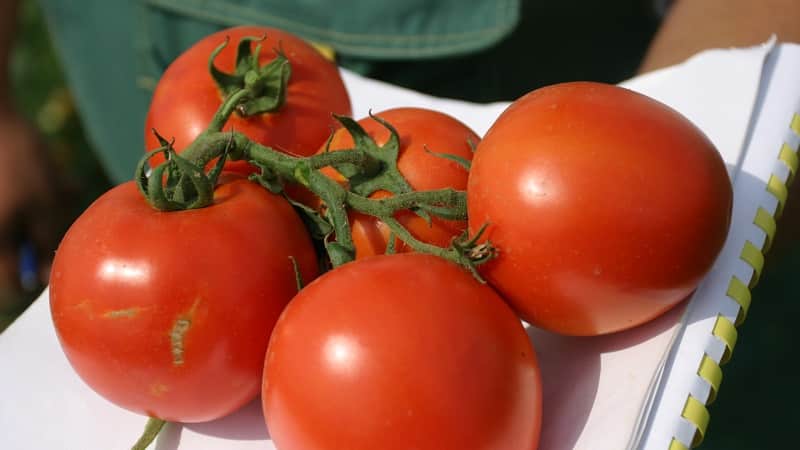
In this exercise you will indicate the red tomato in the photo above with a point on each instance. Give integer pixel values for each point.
(607, 207)
(419, 129)
(169, 314)
(186, 96)
(398, 352)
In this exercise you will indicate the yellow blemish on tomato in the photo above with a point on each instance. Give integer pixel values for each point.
(158, 389)
(122, 313)
(85, 307)
(179, 329)
(178, 333)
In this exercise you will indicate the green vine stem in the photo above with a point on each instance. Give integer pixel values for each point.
(448, 203)
(279, 168)
(151, 430)
(227, 108)
(182, 183)
(463, 251)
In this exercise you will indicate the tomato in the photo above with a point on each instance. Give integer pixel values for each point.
(397, 352)
(186, 97)
(169, 314)
(421, 131)
(607, 207)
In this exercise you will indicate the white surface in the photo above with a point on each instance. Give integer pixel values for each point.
(596, 389)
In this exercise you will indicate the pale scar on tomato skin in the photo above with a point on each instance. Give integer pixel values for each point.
(85, 307)
(178, 332)
(158, 389)
(128, 313)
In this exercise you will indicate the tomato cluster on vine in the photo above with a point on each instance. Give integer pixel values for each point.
(186, 293)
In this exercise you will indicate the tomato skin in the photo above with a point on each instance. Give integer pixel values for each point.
(169, 314)
(419, 129)
(607, 207)
(397, 352)
(186, 97)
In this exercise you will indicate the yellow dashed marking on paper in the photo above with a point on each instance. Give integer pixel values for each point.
(740, 293)
(677, 445)
(711, 372)
(754, 258)
(778, 188)
(766, 222)
(789, 157)
(795, 125)
(695, 412)
(726, 332)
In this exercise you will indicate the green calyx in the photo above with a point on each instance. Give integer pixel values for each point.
(384, 175)
(179, 183)
(266, 85)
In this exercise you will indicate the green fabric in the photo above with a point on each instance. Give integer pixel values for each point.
(366, 29)
(93, 40)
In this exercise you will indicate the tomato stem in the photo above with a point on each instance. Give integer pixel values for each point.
(334, 196)
(229, 105)
(461, 251)
(151, 430)
(182, 183)
(447, 203)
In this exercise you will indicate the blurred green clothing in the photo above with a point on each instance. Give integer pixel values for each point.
(481, 50)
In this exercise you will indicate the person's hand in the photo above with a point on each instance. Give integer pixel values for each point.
(31, 220)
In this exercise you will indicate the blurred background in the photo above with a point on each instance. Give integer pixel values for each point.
(756, 407)
(39, 91)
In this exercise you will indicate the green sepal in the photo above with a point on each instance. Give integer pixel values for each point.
(266, 177)
(267, 84)
(298, 277)
(387, 176)
(472, 145)
(245, 59)
(162, 141)
(173, 177)
(186, 186)
(338, 253)
(150, 185)
(226, 82)
(213, 175)
(465, 163)
(269, 87)
(317, 226)
(195, 186)
(470, 254)
(421, 212)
